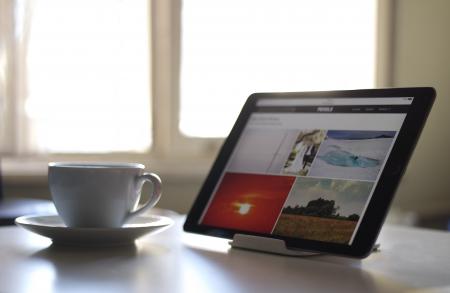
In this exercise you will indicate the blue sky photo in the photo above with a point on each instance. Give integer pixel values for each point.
(357, 134)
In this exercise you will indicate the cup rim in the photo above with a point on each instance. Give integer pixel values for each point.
(96, 165)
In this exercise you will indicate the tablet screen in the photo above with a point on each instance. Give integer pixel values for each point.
(306, 168)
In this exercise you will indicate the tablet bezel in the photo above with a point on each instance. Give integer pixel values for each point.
(377, 209)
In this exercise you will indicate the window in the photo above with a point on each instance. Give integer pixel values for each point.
(108, 76)
(88, 76)
(233, 48)
(86, 81)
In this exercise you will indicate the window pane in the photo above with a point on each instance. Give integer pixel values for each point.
(233, 48)
(88, 76)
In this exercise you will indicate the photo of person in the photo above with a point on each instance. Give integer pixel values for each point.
(304, 152)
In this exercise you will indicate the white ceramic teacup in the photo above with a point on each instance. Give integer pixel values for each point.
(100, 194)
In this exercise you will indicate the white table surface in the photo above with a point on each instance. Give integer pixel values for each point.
(410, 260)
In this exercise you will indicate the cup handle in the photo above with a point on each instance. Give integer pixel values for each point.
(154, 197)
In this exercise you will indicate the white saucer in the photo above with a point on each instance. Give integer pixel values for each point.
(54, 228)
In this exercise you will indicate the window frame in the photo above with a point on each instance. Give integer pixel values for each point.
(166, 56)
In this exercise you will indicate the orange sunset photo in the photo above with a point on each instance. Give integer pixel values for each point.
(248, 202)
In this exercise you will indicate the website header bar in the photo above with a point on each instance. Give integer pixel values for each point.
(387, 109)
(334, 101)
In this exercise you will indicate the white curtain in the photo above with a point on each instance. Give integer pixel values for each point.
(15, 18)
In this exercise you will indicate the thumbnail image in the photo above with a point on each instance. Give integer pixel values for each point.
(304, 151)
(352, 154)
(248, 202)
(259, 151)
(323, 209)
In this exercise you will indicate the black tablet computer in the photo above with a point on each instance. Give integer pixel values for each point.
(315, 169)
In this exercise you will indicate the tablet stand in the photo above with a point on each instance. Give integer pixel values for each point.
(271, 245)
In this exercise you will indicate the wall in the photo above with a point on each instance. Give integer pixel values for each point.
(421, 57)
